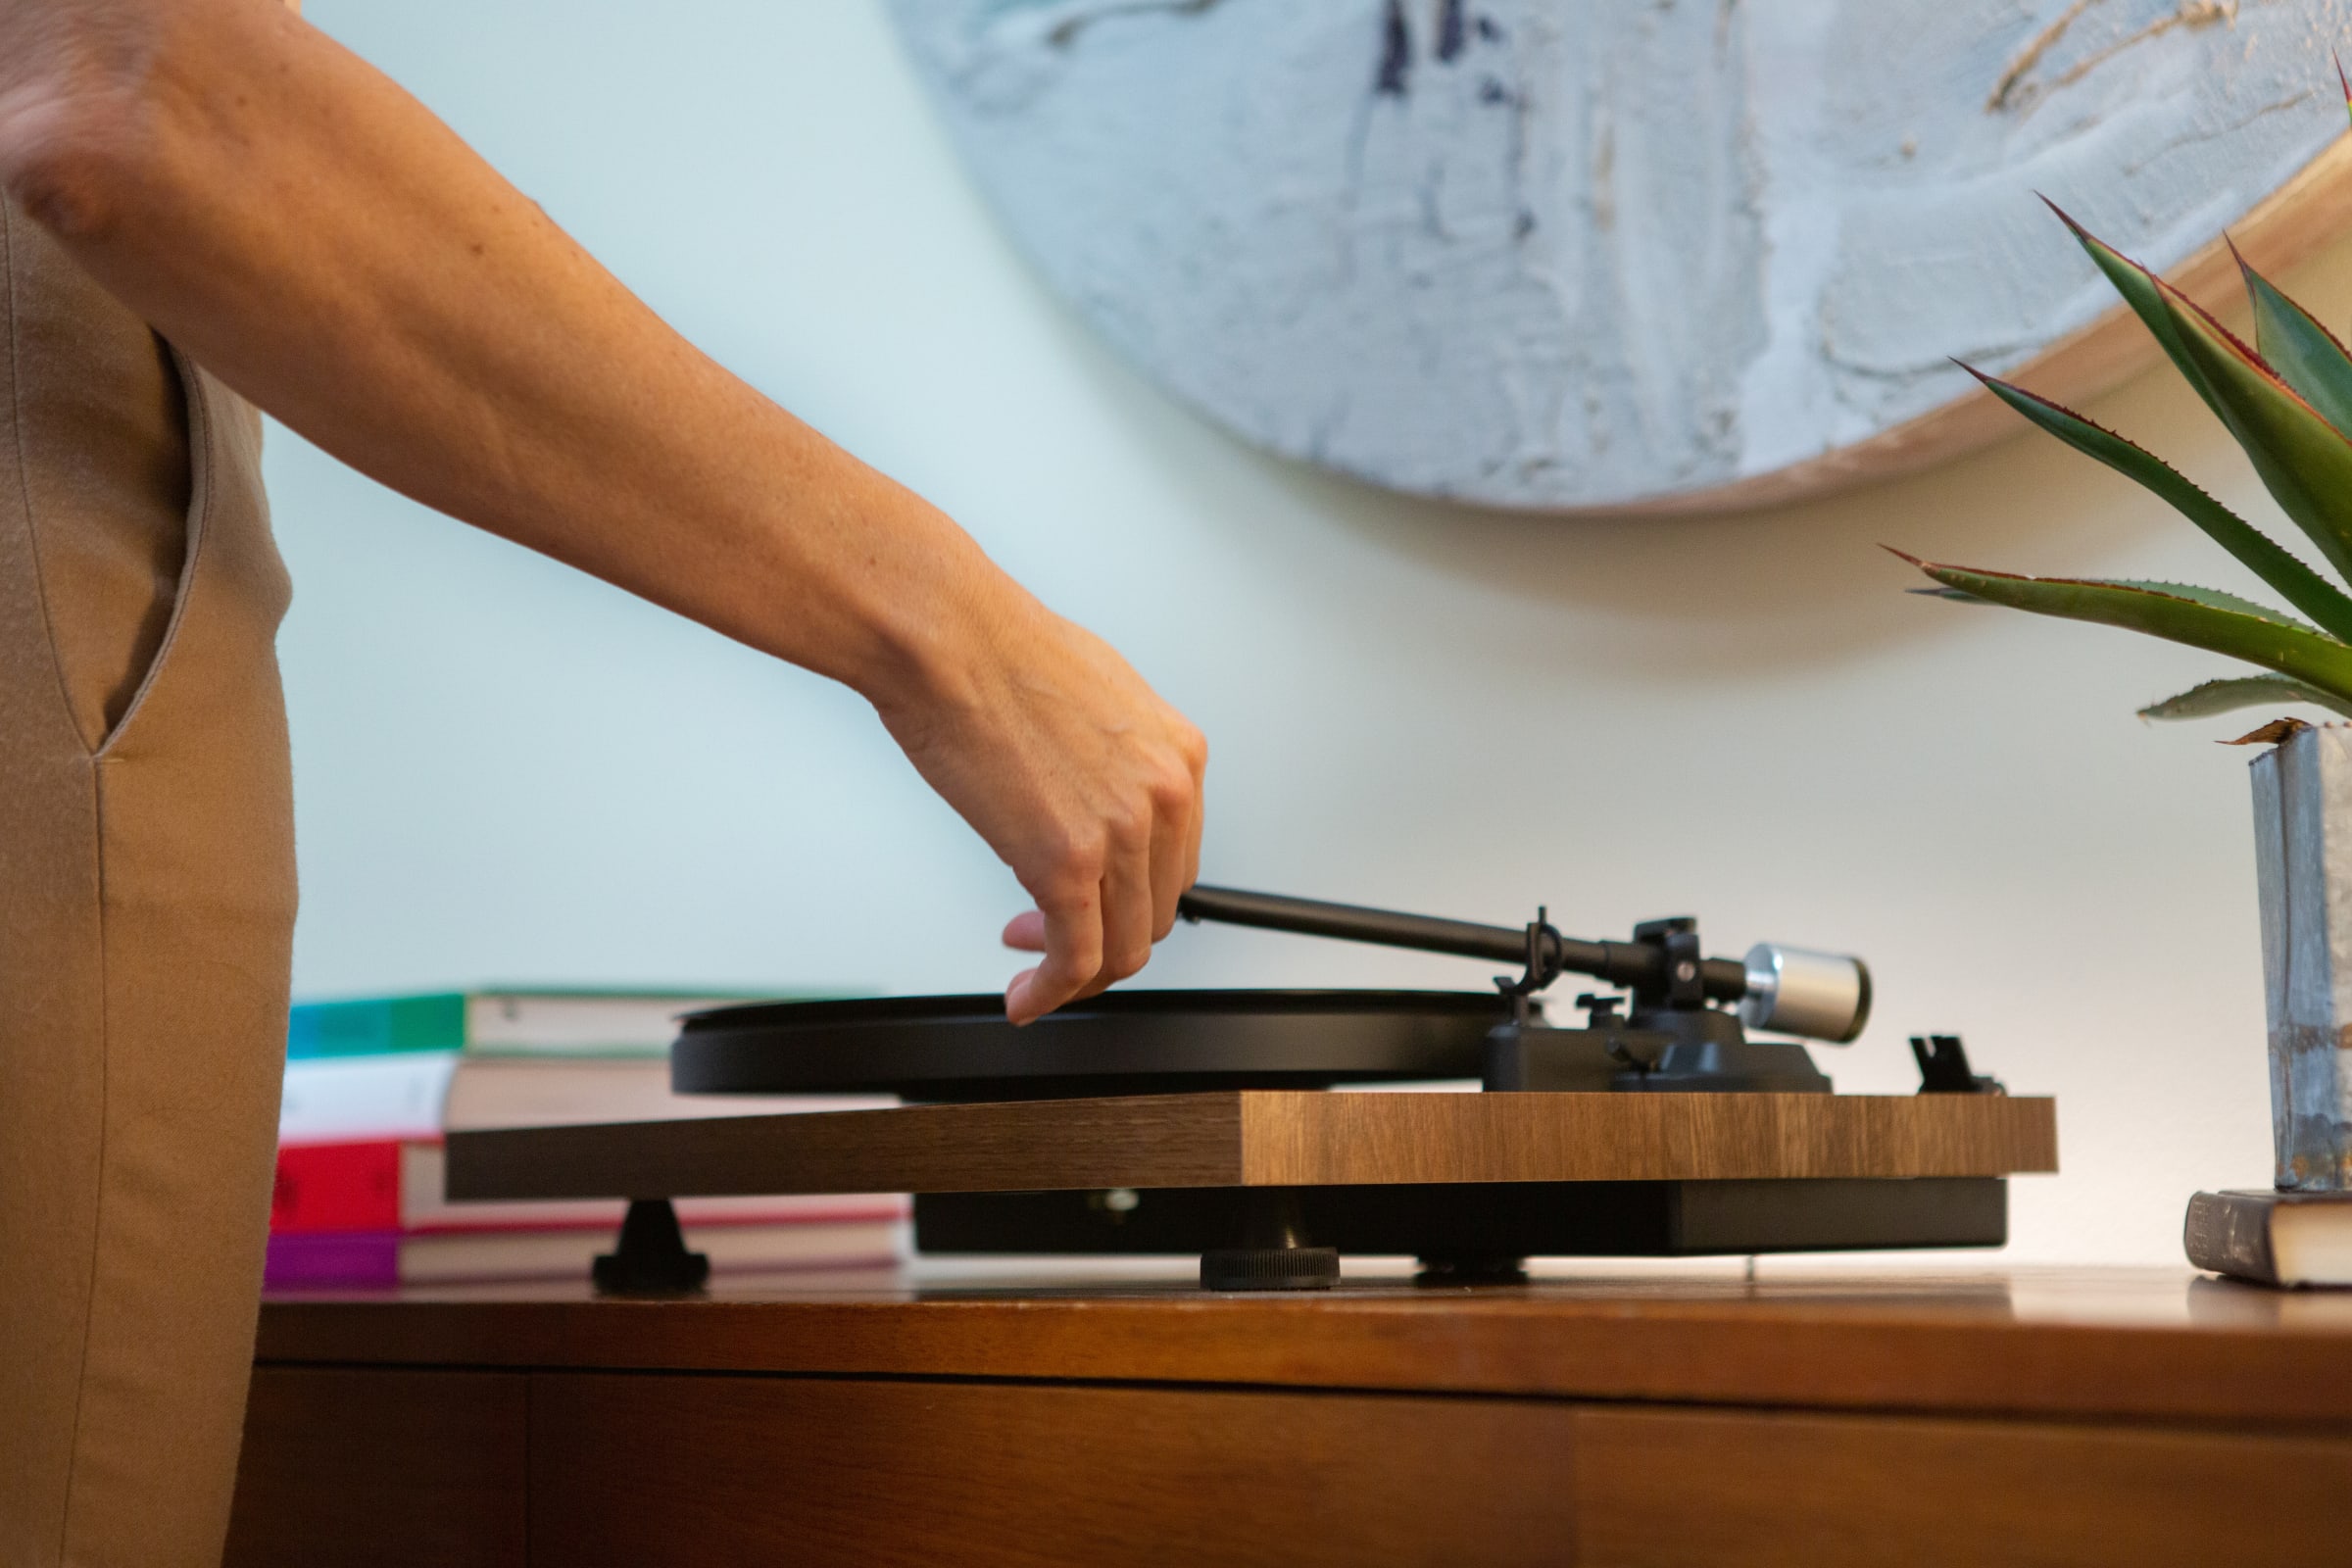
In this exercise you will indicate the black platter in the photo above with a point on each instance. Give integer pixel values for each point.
(961, 1049)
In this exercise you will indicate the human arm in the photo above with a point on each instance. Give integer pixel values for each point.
(317, 239)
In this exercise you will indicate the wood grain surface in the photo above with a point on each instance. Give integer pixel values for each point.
(1337, 1138)
(1661, 1489)
(381, 1467)
(2098, 1344)
(1675, 1416)
(723, 1471)
(357, 1467)
(1268, 1138)
(1189, 1140)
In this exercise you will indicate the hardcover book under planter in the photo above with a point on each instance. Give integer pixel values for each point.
(2303, 863)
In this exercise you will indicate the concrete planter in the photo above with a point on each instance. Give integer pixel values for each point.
(2303, 861)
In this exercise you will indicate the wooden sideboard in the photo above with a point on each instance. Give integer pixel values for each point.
(1665, 1415)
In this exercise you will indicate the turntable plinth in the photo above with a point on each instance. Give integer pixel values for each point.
(1271, 1139)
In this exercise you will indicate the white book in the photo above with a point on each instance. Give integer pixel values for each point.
(422, 1094)
(343, 1098)
(560, 1022)
(489, 1092)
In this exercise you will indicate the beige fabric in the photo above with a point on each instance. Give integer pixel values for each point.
(146, 907)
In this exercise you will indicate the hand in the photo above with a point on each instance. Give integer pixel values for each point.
(1081, 779)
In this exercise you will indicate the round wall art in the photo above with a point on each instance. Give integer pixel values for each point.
(1620, 254)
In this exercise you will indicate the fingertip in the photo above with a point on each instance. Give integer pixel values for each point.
(1018, 1007)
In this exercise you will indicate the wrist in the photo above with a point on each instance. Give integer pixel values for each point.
(926, 604)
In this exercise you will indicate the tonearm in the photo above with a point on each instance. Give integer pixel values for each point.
(1676, 1036)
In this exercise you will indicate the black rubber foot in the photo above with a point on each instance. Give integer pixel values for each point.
(1270, 1268)
(651, 1258)
(1472, 1270)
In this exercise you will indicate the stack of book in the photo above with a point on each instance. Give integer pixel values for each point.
(373, 1086)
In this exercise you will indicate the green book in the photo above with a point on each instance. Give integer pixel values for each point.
(542, 1020)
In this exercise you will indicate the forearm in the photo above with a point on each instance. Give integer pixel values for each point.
(316, 238)
(321, 242)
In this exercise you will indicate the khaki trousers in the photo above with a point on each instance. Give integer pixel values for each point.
(146, 909)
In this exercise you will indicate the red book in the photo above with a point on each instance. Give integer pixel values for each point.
(336, 1187)
(375, 1213)
(396, 1184)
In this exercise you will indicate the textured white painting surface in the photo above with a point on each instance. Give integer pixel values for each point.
(1584, 253)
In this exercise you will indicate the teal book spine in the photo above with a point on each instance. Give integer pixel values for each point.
(377, 1026)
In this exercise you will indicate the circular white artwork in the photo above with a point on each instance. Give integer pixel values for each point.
(1606, 254)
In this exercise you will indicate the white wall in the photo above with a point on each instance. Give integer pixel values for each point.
(508, 771)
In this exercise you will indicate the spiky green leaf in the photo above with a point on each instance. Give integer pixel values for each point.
(2244, 691)
(2305, 354)
(2138, 287)
(2306, 656)
(2302, 587)
(2212, 599)
(2305, 462)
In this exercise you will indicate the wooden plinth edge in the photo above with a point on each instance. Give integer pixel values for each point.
(1277, 1138)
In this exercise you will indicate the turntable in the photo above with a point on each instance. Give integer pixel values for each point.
(1270, 1132)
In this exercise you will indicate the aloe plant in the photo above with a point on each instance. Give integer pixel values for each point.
(2287, 400)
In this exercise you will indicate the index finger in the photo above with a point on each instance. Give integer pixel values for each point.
(1175, 860)
(1074, 956)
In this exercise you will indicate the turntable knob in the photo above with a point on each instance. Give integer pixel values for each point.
(1819, 995)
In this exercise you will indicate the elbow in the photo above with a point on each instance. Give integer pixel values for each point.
(97, 104)
(79, 121)
(71, 162)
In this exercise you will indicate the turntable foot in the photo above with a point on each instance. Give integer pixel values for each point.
(1274, 1220)
(1475, 1268)
(651, 1258)
(1270, 1268)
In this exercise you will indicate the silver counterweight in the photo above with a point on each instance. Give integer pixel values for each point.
(1793, 991)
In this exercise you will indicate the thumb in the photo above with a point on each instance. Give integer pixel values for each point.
(1026, 932)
